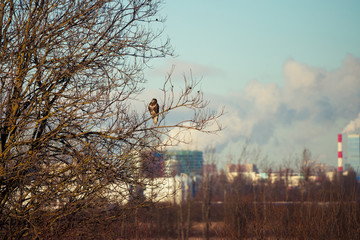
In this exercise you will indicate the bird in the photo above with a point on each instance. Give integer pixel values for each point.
(154, 110)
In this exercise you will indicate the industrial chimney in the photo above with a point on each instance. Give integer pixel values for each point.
(340, 155)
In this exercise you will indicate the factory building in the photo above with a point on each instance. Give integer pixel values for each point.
(349, 152)
(189, 162)
(353, 152)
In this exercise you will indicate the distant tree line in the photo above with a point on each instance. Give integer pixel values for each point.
(225, 209)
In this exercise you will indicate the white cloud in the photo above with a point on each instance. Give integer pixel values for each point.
(264, 97)
(299, 76)
(311, 107)
(187, 139)
(308, 111)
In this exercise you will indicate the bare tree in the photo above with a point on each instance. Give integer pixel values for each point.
(69, 71)
(207, 191)
(306, 170)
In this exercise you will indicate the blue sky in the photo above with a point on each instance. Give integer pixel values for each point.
(276, 66)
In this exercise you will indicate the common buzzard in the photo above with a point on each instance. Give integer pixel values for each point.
(154, 110)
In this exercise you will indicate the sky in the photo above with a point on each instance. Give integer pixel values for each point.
(287, 73)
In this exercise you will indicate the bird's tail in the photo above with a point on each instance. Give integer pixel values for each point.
(155, 119)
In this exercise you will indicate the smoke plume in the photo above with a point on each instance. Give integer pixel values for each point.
(353, 125)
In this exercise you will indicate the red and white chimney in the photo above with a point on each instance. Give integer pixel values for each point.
(340, 156)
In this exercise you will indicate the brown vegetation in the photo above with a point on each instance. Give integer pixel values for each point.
(71, 73)
(241, 211)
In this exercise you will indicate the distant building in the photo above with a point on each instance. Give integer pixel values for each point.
(241, 168)
(353, 152)
(190, 162)
(171, 189)
(248, 171)
(172, 168)
(165, 189)
(209, 169)
(233, 168)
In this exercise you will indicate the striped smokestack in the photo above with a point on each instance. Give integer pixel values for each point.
(340, 156)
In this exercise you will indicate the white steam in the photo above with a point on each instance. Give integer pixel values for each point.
(353, 125)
